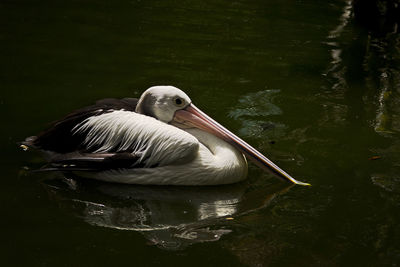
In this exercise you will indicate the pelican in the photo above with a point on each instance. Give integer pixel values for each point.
(162, 138)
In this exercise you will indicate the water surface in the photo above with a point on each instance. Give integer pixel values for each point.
(300, 80)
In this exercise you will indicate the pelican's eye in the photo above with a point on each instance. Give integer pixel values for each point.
(179, 102)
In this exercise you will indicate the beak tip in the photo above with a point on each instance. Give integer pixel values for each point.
(301, 183)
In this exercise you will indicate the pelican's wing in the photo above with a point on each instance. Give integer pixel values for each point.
(157, 143)
(60, 138)
(111, 133)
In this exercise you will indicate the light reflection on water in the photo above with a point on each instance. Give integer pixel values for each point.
(364, 72)
(169, 217)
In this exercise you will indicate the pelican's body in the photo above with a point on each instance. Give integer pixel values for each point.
(180, 157)
(162, 139)
(216, 162)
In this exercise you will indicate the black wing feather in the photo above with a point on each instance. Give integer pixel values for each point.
(96, 161)
(59, 137)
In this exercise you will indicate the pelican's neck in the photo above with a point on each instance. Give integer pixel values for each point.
(214, 144)
(226, 159)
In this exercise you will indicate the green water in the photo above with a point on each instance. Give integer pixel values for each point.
(299, 80)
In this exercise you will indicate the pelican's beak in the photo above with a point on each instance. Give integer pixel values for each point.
(193, 117)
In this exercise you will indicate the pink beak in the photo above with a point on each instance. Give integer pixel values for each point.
(194, 117)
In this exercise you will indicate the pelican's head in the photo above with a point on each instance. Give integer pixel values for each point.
(161, 102)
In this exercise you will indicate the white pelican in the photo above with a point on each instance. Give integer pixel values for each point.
(161, 138)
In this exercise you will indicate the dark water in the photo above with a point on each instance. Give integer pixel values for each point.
(302, 81)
